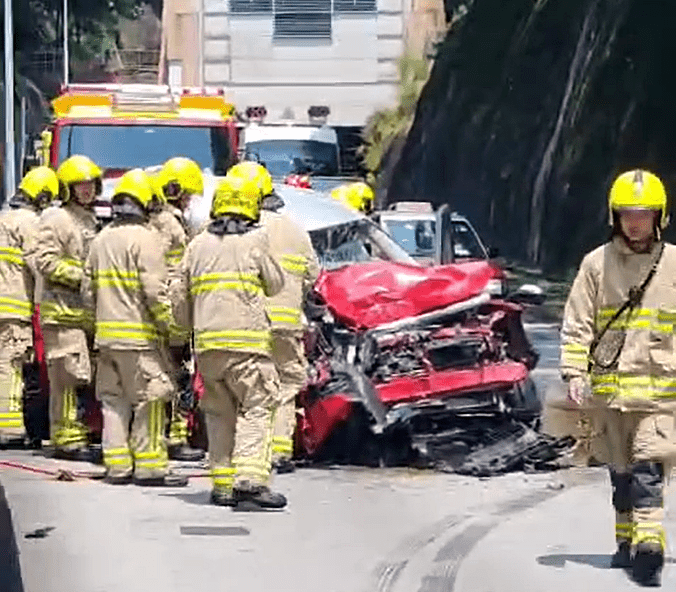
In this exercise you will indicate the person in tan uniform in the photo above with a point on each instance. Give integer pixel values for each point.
(226, 273)
(18, 225)
(618, 332)
(62, 243)
(292, 248)
(125, 285)
(177, 181)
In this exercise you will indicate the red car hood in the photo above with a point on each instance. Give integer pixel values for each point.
(366, 295)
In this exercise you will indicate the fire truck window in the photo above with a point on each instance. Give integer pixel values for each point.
(131, 146)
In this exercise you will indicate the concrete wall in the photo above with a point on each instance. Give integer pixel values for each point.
(354, 71)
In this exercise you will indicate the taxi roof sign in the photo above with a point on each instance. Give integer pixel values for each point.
(412, 207)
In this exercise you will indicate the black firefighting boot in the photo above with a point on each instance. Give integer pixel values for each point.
(283, 465)
(19, 442)
(221, 497)
(622, 557)
(117, 479)
(168, 480)
(74, 454)
(183, 452)
(649, 537)
(648, 563)
(257, 498)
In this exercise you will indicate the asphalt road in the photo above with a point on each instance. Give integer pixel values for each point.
(345, 530)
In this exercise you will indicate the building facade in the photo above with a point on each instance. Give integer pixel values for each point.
(289, 55)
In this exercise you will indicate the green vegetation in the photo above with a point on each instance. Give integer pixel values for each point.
(92, 24)
(385, 126)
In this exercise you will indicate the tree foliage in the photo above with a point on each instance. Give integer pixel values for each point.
(385, 126)
(92, 24)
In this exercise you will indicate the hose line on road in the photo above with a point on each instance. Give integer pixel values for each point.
(61, 474)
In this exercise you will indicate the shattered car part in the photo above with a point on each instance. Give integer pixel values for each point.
(413, 365)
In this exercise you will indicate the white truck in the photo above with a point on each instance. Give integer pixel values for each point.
(288, 148)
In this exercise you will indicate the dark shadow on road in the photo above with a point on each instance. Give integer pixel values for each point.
(199, 498)
(596, 561)
(10, 569)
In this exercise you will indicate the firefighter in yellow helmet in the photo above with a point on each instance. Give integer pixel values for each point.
(358, 196)
(361, 197)
(125, 285)
(18, 226)
(252, 171)
(177, 181)
(61, 246)
(618, 333)
(225, 276)
(292, 248)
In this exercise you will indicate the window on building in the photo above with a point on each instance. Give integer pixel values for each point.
(309, 19)
(354, 5)
(250, 6)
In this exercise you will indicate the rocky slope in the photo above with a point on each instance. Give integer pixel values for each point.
(532, 108)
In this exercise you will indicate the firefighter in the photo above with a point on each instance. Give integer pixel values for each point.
(225, 275)
(62, 243)
(17, 289)
(358, 196)
(178, 180)
(125, 284)
(618, 331)
(292, 248)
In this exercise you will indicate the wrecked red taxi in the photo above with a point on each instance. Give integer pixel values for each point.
(403, 358)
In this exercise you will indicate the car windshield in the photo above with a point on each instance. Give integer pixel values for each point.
(131, 146)
(355, 242)
(416, 237)
(284, 157)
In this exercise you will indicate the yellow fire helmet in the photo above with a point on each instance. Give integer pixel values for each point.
(250, 170)
(137, 184)
(237, 197)
(639, 190)
(340, 193)
(78, 169)
(360, 197)
(156, 185)
(181, 175)
(40, 180)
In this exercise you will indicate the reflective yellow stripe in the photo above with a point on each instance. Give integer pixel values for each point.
(117, 457)
(624, 531)
(223, 478)
(633, 387)
(174, 256)
(15, 307)
(649, 532)
(640, 319)
(68, 271)
(284, 315)
(115, 277)
(234, 339)
(155, 457)
(12, 255)
(281, 445)
(295, 264)
(126, 330)
(52, 311)
(574, 355)
(212, 282)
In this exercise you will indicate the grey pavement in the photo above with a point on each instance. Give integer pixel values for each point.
(345, 530)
